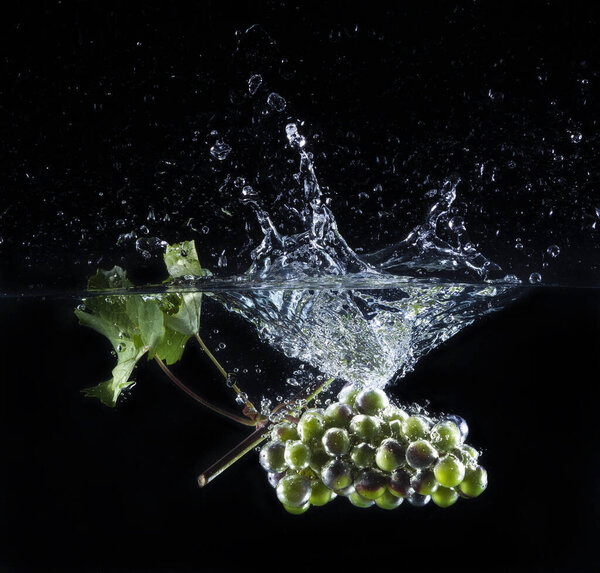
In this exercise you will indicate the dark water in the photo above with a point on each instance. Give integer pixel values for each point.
(107, 116)
(92, 489)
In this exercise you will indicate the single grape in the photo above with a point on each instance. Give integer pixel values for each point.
(359, 501)
(363, 455)
(283, 432)
(445, 436)
(297, 454)
(390, 455)
(320, 493)
(399, 483)
(449, 471)
(293, 490)
(311, 425)
(297, 510)
(348, 394)
(474, 482)
(392, 413)
(388, 500)
(444, 496)
(272, 457)
(371, 402)
(275, 477)
(418, 500)
(396, 432)
(370, 483)
(318, 459)
(366, 428)
(468, 455)
(421, 455)
(345, 491)
(338, 415)
(461, 424)
(415, 427)
(336, 474)
(336, 442)
(424, 482)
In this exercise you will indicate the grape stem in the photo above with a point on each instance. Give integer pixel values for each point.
(249, 409)
(258, 436)
(199, 399)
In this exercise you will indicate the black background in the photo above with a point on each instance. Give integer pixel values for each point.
(85, 488)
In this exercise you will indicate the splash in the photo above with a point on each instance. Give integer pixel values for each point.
(362, 319)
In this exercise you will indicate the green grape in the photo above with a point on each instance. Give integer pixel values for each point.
(363, 455)
(345, 491)
(366, 428)
(370, 483)
(283, 432)
(466, 454)
(338, 415)
(320, 493)
(297, 454)
(348, 394)
(359, 501)
(424, 482)
(474, 482)
(318, 459)
(449, 471)
(297, 510)
(444, 496)
(274, 477)
(445, 436)
(272, 457)
(388, 500)
(293, 490)
(336, 442)
(390, 455)
(392, 413)
(396, 432)
(415, 427)
(371, 402)
(399, 483)
(336, 474)
(421, 455)
(311, 425)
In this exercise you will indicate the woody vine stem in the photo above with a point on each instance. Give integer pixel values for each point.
(252, 417)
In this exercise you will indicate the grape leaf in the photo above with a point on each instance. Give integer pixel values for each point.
(187, 319)
(171, 347)
(133, 324)
(181, 260)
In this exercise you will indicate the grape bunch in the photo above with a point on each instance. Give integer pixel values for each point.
(373, 453)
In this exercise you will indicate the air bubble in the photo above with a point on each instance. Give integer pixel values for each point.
(276, 102)
(553, 251)
(220, 150)
(535, 278)
(254, 83)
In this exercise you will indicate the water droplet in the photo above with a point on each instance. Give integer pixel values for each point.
(254, 83)
(220, 150)
(553, 251)
(276, 102)
(295, 139)
(535, 278)
(575, 136)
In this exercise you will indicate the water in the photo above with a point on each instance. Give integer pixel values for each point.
(399, 206)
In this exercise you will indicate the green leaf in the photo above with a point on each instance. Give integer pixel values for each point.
(182, 260)
(171, 347)
(108, 392)
(144, 312)
(113, 278)
(187, 319)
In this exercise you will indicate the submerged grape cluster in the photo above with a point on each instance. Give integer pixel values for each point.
(373, 453)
